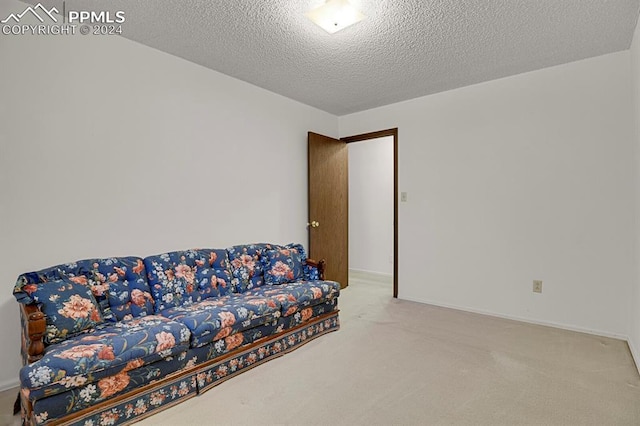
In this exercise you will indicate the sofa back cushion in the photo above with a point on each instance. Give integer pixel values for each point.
(119, 284)
(181, 278)
(121, 281)
(246, 265)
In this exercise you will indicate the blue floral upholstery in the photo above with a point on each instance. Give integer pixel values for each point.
(216, 318)
(181, 278)
(295, 296)
(310, 273)
(121, 280)
(69, 308)
(128, 409)
(132, 408)
(218, 372)
(219, 347)
(25, 285)
(174, 325)
(282, 265)
(246, 266)
(306, 314)
(198, 355)
(106, 352)
(119, 284)
(90, 394)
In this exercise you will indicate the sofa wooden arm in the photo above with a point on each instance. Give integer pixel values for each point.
(33, 328)
(320, 264)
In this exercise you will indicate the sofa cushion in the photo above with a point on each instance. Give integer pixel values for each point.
(69, 308)
(307, 314)
(90, 394)
(112, 348)
(119, 284)
(246, 266)
(295, 296)
(282, 265)
(220, 347)
(122, 280)
(181, 278)
(217, 318)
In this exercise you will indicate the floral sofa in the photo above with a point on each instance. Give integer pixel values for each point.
(111, 341)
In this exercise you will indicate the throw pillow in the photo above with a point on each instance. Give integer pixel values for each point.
(282, 265)
(69, 308)
(84, 273)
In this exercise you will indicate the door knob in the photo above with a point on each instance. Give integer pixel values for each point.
(313, 224)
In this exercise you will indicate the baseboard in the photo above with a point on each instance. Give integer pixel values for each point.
(9, 384)
(634, 354)
(371, 275)
(523, 319)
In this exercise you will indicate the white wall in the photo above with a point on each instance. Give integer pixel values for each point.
(110, 148)
(634, 338)
(371, 205)
(522, 178)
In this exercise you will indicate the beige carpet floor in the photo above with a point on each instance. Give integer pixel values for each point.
(402, 363)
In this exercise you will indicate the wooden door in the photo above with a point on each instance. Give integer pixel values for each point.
(329, 205)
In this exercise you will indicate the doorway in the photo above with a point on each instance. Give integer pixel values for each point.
(373, 209)
(328, 202)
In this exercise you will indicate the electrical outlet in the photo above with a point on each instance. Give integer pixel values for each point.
(537, 286)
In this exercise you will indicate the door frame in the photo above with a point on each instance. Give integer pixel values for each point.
(375, 135)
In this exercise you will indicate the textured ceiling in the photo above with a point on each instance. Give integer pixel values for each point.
(402, 50)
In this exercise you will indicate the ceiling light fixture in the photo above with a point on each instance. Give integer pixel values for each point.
(335, 15)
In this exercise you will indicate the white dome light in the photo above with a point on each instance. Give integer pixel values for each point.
(335, 15)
